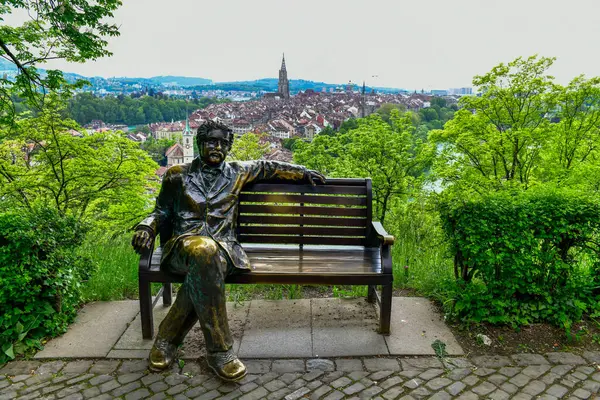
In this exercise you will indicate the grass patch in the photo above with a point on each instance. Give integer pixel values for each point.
(116, 276)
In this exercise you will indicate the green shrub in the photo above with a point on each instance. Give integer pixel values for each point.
(526, 257)
(40, 277)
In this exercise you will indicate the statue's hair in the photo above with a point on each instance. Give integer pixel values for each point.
(206, 127)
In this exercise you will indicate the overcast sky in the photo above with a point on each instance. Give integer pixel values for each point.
(433, 44)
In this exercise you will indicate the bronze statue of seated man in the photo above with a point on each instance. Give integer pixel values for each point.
(198, 206)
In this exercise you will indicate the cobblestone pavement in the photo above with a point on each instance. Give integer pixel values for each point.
(521, 376)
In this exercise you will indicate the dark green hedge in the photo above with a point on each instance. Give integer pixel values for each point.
(40, 277)
(525, 257)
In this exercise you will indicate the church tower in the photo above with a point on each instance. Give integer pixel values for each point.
(283, 86)
(188, 142)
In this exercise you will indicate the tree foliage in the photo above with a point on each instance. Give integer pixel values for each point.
(101, 177)
(74, 30)
(248, 147)
(388, 153)
(523, 130)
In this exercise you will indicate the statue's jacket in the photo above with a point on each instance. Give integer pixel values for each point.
(186, 207)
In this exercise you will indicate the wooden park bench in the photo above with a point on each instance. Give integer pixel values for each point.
(299, 234)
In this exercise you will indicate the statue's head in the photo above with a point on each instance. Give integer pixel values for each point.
(214, 142)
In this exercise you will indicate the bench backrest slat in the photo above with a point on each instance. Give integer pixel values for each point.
(335, 213)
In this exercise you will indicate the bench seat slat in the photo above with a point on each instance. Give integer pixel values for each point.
(316, 221)
(294, 198)
(300, 230)
(292, 188)
(301, 210)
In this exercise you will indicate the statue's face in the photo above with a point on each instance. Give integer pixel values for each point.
(214, 149)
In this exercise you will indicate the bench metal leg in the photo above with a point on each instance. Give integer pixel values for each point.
(371, 295)
(167, 294)
(146, 310)
(385, 314)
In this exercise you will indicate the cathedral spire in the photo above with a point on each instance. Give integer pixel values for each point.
(283, 62)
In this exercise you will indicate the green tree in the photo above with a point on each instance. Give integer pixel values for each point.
(495, 140)
(104, 178)
(74, 30)
(248, 147)
(157, 148)
(388, 153)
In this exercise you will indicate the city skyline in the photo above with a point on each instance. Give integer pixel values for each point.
(418, 45)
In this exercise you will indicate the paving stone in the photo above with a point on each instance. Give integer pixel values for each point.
(258, 366)
(151, 378)
(8, 395)
(509, 371)
(578, 376)
(20, 368)
(388, 383)
(582, 394)
(483, 371)
(420, 392)
(509, 387)
(335, 395)
(561, 369)
(497, 379)
(456, 388)
(282, 366)
(73, 396)
(312, 375)
(379, 375)
(550, 378)
(209, 395)
(331, 376)
(520, 380)
(369, 393)
(431, 373)
(297, 384)
(275, 385)
(269, 376)
(175, 379)
(341, 382)
(457, 362)
(129, 377)
(592, 386)
(348, 365)
(279, 394)
(212, 383)
(357, 375)
(440, 396)
(592, 356)
(195, 392)
(471, 380)
(231, 395)
(104, 366)
(158, 396)
(355, 388)
(565, 358)
(420, 363)
(528, 359)
(568, 383)
(91, 392)
(413, 383)
(411, 373)
(108, 386)
(557, 391)
(491, 361)
(248, 387)
(138, 394)
(133, 366)
(289, 377)
(521, 396)
(367, 382)
(160, 386)
(438, 383)
(314, 384)
(107, 396)
(321, 391)
(596, 376)
(320, 364)
(484, 388)
(534, 388)
(79, 378)
(258, 393)
(297, 394)
(77, 367)
(499, 394)
(381, 364)
(458, 373)
(198, 379)
(585, 370)
(177, 389)
(546, 397)
(393, 392)
(535, 371)
(101, 379)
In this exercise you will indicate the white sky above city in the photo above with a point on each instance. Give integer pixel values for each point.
(433, 44)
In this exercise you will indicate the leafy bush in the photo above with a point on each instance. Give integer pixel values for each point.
(40, 277)
(523, 258)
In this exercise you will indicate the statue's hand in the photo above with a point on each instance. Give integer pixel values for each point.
(314, 176)
(142, 239)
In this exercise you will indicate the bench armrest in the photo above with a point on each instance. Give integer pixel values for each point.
(386, 238)
(146, 257)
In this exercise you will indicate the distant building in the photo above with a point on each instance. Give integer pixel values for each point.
(174, 155)
(283, 86)
(439, 92)
(461, 91)
(187, 140)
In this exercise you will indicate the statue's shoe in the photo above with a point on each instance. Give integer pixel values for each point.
(162, 355)
(227, 366)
